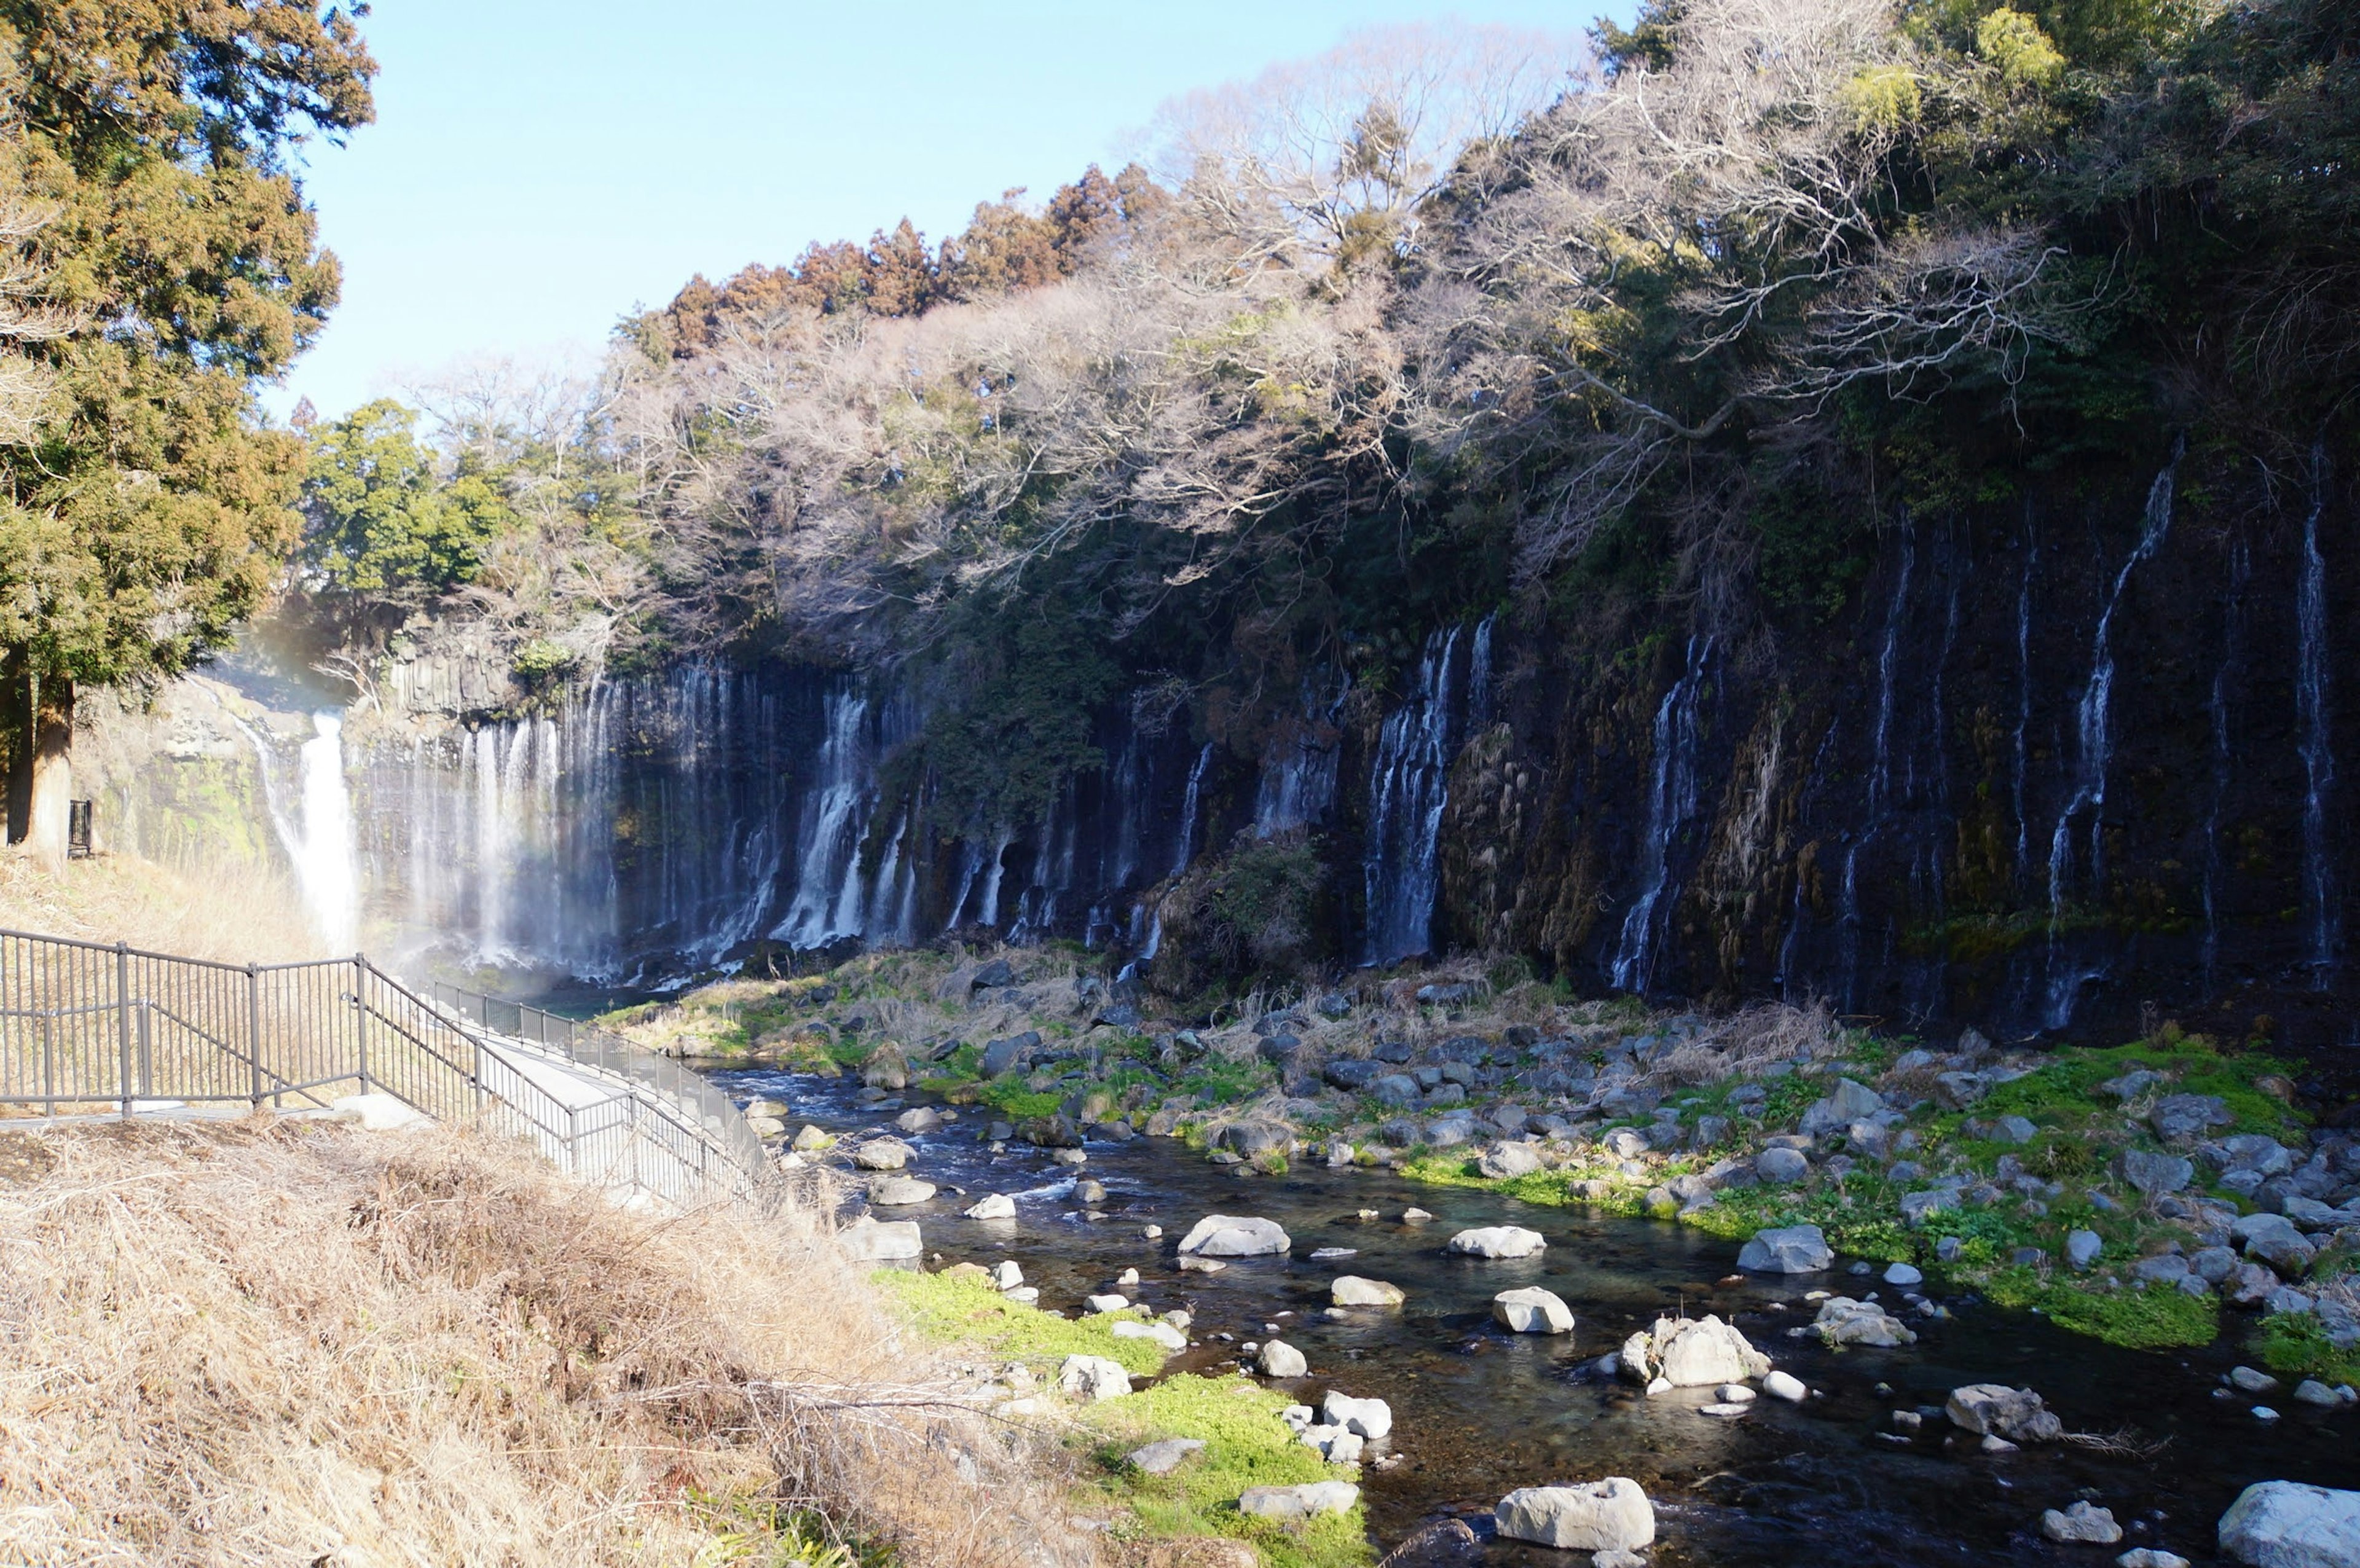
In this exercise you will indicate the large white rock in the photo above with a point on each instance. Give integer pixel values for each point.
(868, 1240)
(1280, 1359)
(1289, 1504)
(1790, 1249)
(1163, 1334)
(1351, 1290)
(1093, 1378)
(1612, 1515)
(997, 1206)
(1223, 1235)
(882, 1154)
(1372, 1419)
(1843, 1320)
(1692, 1353)
(1532, 1310)
(1497, 1241)
(899, 1191)
(2286, 1524)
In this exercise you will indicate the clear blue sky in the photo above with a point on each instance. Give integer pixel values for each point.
(538, 169)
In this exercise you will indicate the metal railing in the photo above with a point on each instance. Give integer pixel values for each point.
(87, 1025)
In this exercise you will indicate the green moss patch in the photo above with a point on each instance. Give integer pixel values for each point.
(2137, 1320)
(1245, 1445)
(960, 1309)
(2293, 1345)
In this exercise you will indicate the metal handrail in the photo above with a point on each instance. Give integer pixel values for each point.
(80, 1021)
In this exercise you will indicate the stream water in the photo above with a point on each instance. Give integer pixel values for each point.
(1480, 1412)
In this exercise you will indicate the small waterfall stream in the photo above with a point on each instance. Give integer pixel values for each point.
(315, 829)
(1671, 807)
(1409, 786)
(1880, 769)
(2233, 618)
(2094, 731)
(2318, 751)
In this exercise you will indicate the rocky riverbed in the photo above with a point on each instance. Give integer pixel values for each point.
(1869, 1467)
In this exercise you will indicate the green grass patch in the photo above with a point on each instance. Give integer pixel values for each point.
(2294, 1344)
(1245, 1445)
(2137, 1320)
(960, 1309)
(1009, 1095)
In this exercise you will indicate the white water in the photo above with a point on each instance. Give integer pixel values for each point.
(2318, 754)
(315, 830)
(1409, 786)
(2094, 729)
(2232, 638)
(1671, 804)
(1190, 804)
(326, 864)
(828, 901)
(1297, 783)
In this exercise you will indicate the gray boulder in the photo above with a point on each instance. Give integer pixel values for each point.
(1612, 1515)
(2287, 1524)
(1692, 1353)
(2189, 1115)
(1398, 1090)
(1504, 1161)
(1532, 1310)
(1352, 1073)
(1162, 1458)
(899, 1191)
(882, 1154)
(1843, 1320)
(1279, 1359)
(1790, 1249)
(868, 1240)
(2083, 1247)
(1223, 1235)
(1351, 1290)
(1006, 1055)
(1781, 1167)
(1916, 1208)
(1093, 1378)
(1291, 1505)
(1847, 1103)
(2274, 1239)
(2084, 1523)
(1372, 1419)
(1994, 1409)
(1255, 1138)
(918, 1118)
(992, 1206)
(2155, 1174)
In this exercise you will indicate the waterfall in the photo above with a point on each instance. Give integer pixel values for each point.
(2024, 696)
(2095, 721)
(2231, 635)
(2316, 744)
(315, 830)
(1671, 804)
(1188, 809)
(1296, 787)
(834, 819)
(326, 867)
(1408, 787)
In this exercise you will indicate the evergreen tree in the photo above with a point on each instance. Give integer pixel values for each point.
(146, 510)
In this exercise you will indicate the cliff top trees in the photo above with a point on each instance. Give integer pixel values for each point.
(143, 513)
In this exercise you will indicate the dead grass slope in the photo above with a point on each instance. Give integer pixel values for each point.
(282, 1342)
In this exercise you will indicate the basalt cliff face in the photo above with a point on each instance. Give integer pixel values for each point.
(2051, 764)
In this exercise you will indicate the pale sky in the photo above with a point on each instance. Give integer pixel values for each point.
(537, 170)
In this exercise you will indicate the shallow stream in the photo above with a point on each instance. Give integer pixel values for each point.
(1480, 1412)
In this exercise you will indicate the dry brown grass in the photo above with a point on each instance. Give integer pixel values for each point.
(1739, 1044)
(249, 918)
(279, 1343)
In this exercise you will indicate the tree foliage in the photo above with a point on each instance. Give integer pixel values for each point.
(383, 525)
(144, 511)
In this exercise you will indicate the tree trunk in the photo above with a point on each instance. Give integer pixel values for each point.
(53, 783)
(15, 744)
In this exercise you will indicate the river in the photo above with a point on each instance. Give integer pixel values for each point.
(1480, 1412)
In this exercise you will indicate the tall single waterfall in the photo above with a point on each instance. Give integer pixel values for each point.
(2317, 745)
(315, 829)
(1410, 785)
(2094, 728)
(1671, 807)
(837, 893)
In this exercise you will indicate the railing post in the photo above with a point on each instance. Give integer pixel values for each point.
(360, 1013)
(573, 1148)
(146, 1051)
(254, 1031)
(123, 1020)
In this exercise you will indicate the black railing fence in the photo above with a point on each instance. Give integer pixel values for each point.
(86, 1025)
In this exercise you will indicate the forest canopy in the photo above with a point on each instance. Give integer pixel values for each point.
(1443, 322)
